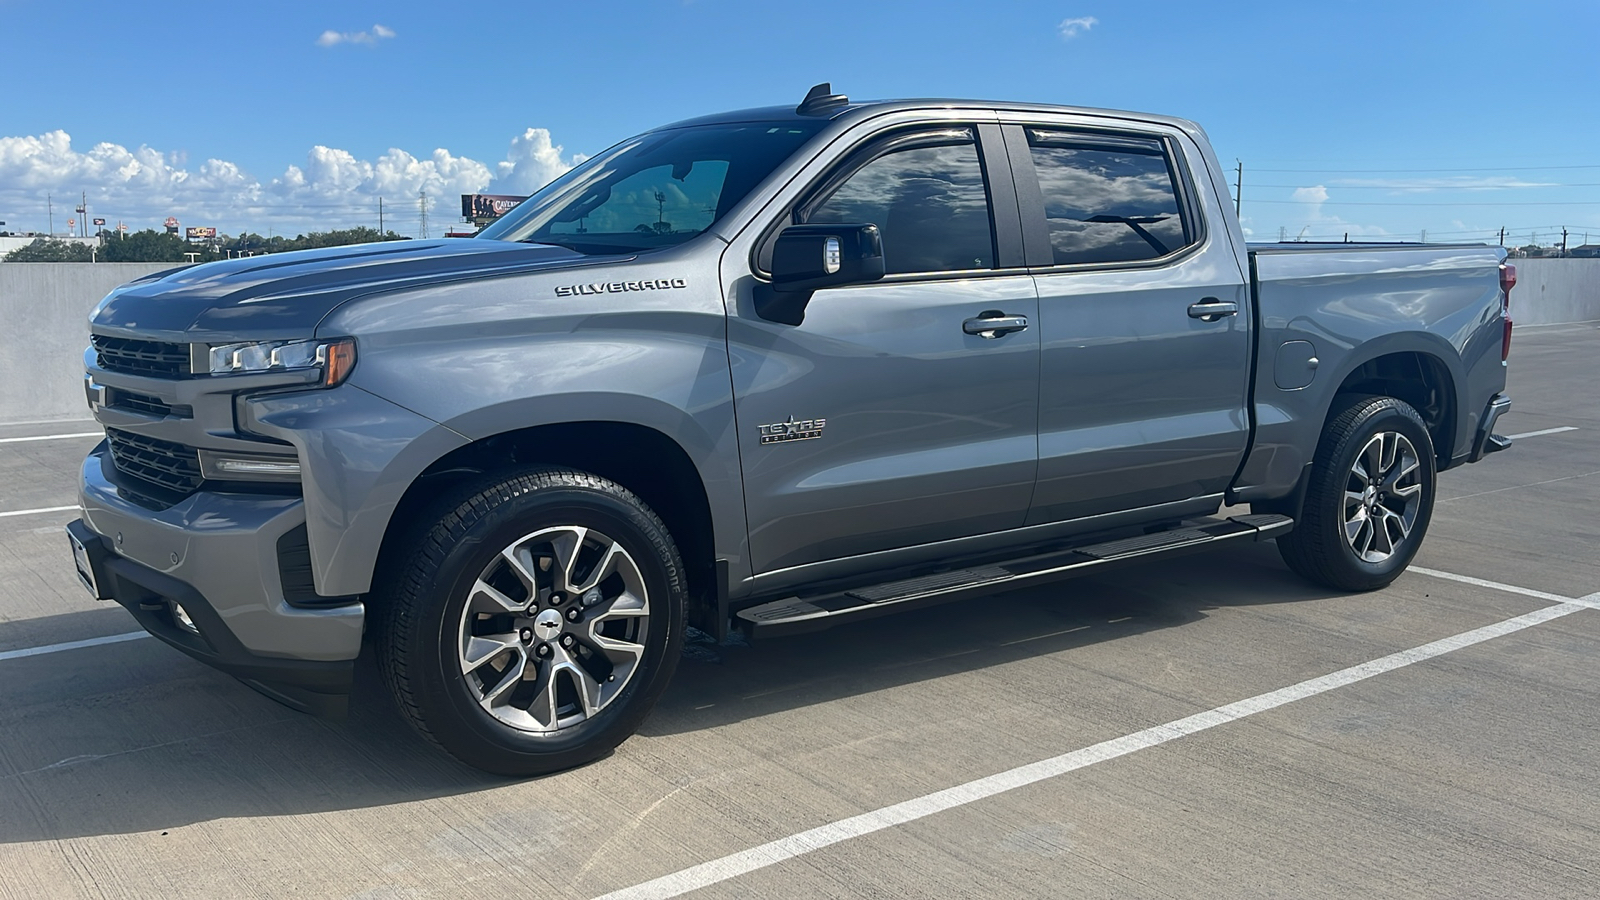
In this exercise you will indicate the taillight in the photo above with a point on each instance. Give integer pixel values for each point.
(1508, 280)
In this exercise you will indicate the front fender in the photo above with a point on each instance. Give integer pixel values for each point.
(358, 454)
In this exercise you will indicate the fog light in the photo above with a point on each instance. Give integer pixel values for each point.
(181, 616)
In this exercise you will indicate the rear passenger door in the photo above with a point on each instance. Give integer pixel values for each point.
(1144, 319)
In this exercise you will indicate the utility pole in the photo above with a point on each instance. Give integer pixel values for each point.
(422, 213)
(50, 207)
(1424, 235)
(1502, 235)
(1283, 234)
(380, 218)
(1238, 187)
(1563, 240)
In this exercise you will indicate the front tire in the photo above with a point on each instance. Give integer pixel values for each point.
(535, 622)
(1369, 500)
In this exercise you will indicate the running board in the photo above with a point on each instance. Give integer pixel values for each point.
(795, 615)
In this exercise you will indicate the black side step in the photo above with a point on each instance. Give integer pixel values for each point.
(795, 615)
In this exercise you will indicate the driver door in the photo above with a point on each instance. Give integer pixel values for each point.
(887, 419)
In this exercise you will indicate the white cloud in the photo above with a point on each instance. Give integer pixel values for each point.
(332, 38)
(331, 188)
(1071, 28)
(533, 161)
(1457, 183)
(1317, 194)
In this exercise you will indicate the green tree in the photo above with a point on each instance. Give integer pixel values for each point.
(48, 250)
(144, 246)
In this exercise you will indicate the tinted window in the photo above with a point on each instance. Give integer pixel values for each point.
(655, 190)
(929, 202)
(1107, 199)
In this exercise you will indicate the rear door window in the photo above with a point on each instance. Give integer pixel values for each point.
(1108, 199)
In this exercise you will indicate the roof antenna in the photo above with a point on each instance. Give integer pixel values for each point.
(821, 99)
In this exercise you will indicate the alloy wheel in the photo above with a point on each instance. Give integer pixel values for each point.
(1382, 497)
(554, 629)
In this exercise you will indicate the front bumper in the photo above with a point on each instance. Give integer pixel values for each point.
(215, 555)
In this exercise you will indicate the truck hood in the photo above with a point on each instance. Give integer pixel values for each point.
(285, 295)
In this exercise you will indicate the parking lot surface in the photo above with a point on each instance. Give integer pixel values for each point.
(1206, 726)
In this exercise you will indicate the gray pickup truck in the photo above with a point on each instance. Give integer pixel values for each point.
(770, 370)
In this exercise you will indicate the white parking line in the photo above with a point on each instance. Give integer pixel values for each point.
(72, 645)
(1546, 431)
(774, 852)
(42, 509)
(52, 437)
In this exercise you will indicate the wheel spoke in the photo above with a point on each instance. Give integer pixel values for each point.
(1399, 523)
(1353, 526)
(1406, 467)
(608, 562)
(1373, 452)
(542, 708)
(522, 564)
(618, 652)
(1360, 471)
(587, 688)
(1381, 541)
(568, 545)
(480, 649)
(497, 602)
(1408, 491)
(509, 680)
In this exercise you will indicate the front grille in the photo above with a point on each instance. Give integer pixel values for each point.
(172, 469)
(144, 403)
(159, 358)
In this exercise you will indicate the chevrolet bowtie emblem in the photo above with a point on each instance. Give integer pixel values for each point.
(792, 430)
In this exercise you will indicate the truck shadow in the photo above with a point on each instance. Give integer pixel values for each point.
(135, 738)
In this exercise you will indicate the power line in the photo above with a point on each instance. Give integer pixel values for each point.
(1374, 203)
(1469, 169)
(1439, 187)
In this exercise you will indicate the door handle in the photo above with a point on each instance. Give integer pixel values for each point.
(992, 323)
(1211, 309)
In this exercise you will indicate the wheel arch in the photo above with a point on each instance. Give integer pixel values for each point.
(645, 460)
(1416, 368)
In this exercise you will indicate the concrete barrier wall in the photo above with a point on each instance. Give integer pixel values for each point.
(44, 309)
(1553, 291)
(44, 327)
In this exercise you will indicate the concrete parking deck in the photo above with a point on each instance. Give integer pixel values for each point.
(1208, 726)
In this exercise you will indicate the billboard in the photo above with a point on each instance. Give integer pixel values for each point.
(487, 206)
(199, 231)
(99, 221)
(171, 225)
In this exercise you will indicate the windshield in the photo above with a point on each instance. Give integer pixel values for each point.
(656, 190)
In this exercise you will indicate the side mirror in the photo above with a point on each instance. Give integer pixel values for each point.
(806, 258)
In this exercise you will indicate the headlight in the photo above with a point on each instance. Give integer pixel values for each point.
(335, 358)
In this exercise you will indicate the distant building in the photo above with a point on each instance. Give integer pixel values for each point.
(10, 242)
(1587, 251)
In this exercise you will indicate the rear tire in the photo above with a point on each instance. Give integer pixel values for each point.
(1370, 498)
(534, 624)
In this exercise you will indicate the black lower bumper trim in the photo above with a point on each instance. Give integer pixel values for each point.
(1487, 441)
(319, 687)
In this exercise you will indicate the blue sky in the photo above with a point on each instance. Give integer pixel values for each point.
(1377, 119)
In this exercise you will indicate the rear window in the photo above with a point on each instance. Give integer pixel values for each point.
(1107, 199)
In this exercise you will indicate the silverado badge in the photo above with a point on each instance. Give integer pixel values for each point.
(802, 430)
